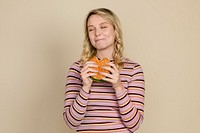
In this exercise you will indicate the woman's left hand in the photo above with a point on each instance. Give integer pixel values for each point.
(113, 77)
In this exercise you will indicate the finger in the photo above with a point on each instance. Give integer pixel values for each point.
(108, 80)
(112, 68)
(90, 74)
(107, 75)
(87, 75)
(88, 65)
(91, 64)
(109, 68)
(113, 65)
(88, 70)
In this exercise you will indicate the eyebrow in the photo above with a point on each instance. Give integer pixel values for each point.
(99, 24)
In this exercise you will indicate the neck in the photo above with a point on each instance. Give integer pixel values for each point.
(105, 54)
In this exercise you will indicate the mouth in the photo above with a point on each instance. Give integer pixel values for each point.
(98, 40)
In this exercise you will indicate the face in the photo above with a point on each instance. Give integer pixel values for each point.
(101, 33)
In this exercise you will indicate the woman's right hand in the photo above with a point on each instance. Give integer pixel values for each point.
(86, 72)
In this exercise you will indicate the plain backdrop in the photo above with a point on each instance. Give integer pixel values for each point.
(40, 39)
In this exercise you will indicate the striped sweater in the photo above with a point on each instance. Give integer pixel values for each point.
(102, 110)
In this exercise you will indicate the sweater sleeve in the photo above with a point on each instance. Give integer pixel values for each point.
(75, 98)
(131, 100)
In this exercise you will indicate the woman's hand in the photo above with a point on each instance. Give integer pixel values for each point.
(113, 77)
(86, 72)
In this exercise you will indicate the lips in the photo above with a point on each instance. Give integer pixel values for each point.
(96, 40)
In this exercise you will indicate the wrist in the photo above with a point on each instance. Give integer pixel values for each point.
(118, 88)
(86, 89)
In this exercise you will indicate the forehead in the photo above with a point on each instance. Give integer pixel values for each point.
(96, 19)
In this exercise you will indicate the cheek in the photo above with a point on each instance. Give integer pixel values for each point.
(91, 38)
(112, 36)
(111, 33)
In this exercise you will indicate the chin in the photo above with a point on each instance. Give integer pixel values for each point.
(100, 46)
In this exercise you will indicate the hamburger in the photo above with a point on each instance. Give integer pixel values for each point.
(100, 62)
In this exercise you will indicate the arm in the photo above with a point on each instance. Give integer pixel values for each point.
(131, 100)
(75, 98)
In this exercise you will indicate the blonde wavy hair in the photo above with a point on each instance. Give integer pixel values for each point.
(89, 51)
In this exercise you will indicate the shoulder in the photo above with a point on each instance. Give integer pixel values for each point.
(132, 67)
(128, 63)
(77, 65)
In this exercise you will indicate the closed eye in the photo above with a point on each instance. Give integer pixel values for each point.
(91, 29)
(103, 27)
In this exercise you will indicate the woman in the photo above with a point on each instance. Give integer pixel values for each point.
(115, 105)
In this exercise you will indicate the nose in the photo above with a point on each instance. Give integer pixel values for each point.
(97, 32)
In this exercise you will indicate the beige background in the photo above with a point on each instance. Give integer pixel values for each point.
(40, 39)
